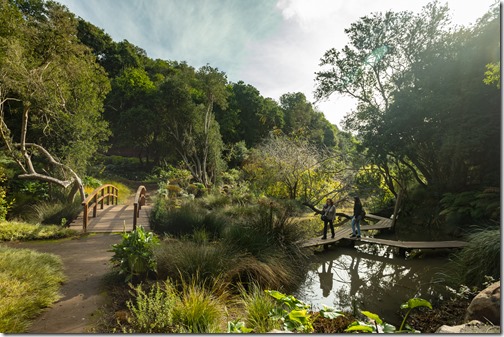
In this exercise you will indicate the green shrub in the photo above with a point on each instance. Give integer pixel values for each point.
(170, 173)
(257, 306)
(176, 221)
(198, 311)
(214, 201)
(197, 189)
(13, 231)
(29, 282)
(480, 258)
(134, 256)
(53, 212)
(91, 182)
(183, 260)
(151, 312)
(471, 207)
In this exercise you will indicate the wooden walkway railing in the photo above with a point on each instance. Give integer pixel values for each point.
(98, 196)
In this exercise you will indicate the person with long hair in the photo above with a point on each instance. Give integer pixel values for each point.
(356, 218)
(328, 217)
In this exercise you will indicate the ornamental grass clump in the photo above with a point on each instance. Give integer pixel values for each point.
(29, 282)
(258, 305)
(480, 258)
(176, 221)
(182, 260)
(21, 231)
(199, 310)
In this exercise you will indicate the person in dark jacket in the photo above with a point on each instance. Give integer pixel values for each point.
(356, 218)
(329, 213)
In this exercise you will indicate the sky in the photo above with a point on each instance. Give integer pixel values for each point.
(273, 45)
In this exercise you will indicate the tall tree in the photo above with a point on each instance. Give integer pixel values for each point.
(390, 57)
(51, 93)
(185, 103)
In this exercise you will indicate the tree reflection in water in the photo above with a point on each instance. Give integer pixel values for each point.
(370, 277)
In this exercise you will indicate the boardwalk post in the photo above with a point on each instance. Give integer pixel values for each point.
(85, 217)
(135, 215)
(101, 199)
(396, 209)
(95, 205)
(108, 195)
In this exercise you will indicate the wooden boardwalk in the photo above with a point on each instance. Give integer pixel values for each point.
(113, 219)
(413, 244)
(344, 232)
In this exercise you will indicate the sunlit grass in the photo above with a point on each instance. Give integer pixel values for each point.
(199, 310)
(257, 305)
(29, 281)
(124, 194)
(14, 231)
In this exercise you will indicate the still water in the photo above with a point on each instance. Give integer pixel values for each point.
(372, 278)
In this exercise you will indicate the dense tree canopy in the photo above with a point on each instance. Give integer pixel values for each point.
(422, 103)
(51, 92)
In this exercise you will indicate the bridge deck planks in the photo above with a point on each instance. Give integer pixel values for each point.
(413, 244)
(344, 231)
(113, 219)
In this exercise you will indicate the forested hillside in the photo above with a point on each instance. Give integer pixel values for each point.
(427, 124)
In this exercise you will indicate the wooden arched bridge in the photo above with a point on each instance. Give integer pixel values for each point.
(101, 212)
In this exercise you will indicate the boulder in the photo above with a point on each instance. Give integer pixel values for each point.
(485, 307)
(472, 327)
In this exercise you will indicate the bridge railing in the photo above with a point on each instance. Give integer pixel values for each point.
(105, 193)
(139, 202)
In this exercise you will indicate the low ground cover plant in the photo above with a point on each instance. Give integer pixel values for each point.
(29, 281)
(134, 256)
(22, 231)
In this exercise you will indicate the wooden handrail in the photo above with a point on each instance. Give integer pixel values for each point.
(139, 202)
(97, 197)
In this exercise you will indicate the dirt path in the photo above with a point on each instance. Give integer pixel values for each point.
(85, 261)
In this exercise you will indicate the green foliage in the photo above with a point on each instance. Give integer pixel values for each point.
(64, 105)
(29, 282)
(184, 260)
(492, 75)
(258, 305)
(134, 256)
(293, 313)
(238, 327)
(198, 311)
(92, 182)
(471, 207)
(175, 175)
(121, 166)
(53, 212)
(478, 260)
(377, 325)
(176, 221)
(19, 231)
(151, 312)
(406, 58)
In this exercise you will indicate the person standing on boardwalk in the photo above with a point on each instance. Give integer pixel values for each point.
(328, 215)
(357, 216)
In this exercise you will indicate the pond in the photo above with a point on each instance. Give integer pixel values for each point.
(372, 278)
